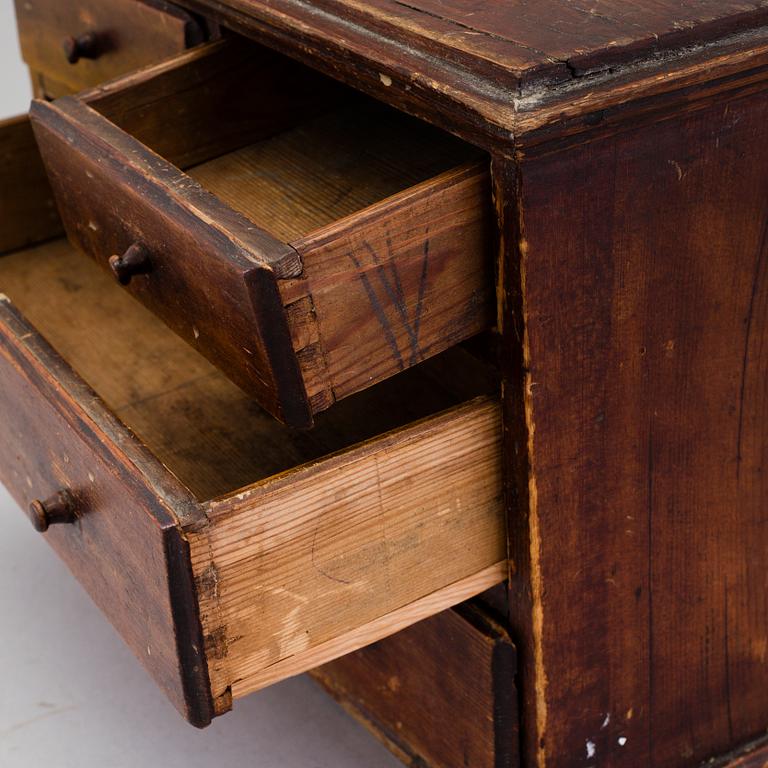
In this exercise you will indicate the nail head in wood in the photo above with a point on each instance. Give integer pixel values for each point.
(135, 261)
(85, 46)
(56, 510)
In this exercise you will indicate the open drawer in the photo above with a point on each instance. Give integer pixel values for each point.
(74, 44)
(318, 243)
(228, 550)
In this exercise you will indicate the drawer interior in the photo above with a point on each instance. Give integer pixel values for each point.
(329, 166)
(200, 425)
(302, 154)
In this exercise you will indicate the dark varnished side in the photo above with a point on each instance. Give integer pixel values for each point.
(125, 547)
(754, 755)
(640, 552)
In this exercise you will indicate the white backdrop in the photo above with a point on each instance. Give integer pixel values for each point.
(73, 696)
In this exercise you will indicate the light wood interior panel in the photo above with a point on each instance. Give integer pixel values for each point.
(329, 167)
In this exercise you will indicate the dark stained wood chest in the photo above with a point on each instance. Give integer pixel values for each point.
(475, 303)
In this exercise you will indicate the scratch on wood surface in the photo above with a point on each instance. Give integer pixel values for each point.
(763, 247)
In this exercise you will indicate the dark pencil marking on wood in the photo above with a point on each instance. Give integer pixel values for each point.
(394, 290)
(396, 297)
(422, 287)
(379, 312)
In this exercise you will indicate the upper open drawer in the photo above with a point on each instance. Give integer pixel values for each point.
(317, 243)
(69, 45)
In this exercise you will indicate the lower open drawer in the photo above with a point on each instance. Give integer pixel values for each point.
(228, 550)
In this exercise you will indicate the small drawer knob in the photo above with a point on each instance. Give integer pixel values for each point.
(55, 510)
(135, 261)
(85, 46)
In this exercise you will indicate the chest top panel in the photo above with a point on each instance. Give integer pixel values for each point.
(493, 70)
(531, 39)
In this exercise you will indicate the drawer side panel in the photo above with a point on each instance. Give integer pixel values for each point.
(335, 555)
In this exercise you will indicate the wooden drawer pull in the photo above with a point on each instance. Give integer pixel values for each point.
(135, 261)
(85, 46)
(55, 510)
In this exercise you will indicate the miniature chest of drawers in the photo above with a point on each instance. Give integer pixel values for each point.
(368, 309)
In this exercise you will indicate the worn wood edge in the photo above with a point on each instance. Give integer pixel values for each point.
(245, 244)
(218, 508)
(409, 79)
(190, 645)
(293, 403)
(752, 755)
(520, 482)
(662, 83)
(166, 497)
(374, 630)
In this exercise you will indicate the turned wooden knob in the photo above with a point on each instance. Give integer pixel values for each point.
(85, 46)
(56, 510)
(135, 261)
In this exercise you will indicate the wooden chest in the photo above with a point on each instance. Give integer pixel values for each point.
(370, 309)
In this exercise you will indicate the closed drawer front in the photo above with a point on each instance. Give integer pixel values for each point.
(318, 243)
(74, 44)
(228, 550)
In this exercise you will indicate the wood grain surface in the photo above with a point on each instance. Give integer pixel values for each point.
(290, 567)
(642, 265)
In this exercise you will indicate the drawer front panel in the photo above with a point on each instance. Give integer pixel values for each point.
(124, 546)
(441, 688)
(106, 37)
(219, 297)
